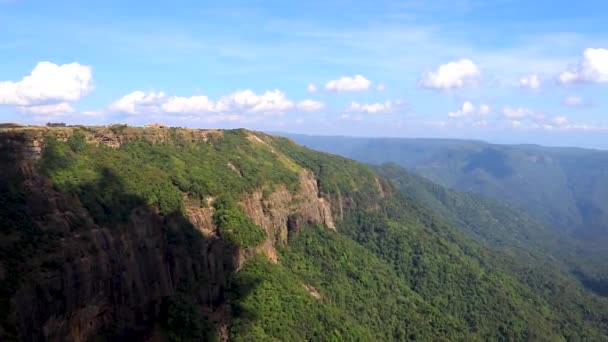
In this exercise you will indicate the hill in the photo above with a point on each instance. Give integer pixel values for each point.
(121, 232)
(566, 188)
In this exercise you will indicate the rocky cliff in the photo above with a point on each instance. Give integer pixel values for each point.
(78, 278)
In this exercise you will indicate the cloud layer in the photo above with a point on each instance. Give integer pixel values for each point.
(237, 103)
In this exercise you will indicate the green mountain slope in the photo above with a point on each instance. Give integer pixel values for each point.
(563, 187)
(496, 223)
(566, 189)
(157, 233)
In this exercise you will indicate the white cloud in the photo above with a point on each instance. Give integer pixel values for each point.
(237, 103)
(521, 113)
(271, 102)
(593, 68)
(51, 109)
(373, 108)
(310, 106)
(469, 109)
(357, 83)
(48, 83)
(530, 81)
(311, 88)
(380, 87)
(138, 102)
(451, 75)
(193, 104)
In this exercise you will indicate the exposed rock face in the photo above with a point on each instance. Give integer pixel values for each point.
(274, 211)
(111, 279)
(202, 219)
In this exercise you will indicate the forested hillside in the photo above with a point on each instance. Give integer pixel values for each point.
(175, 234)
(503, 227)
(566, 188)
(563, 189)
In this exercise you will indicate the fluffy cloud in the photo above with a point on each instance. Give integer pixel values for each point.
(310, 106)
(469, 109)
(373, 108)
(48, 89)
(271, 102)
(451, 75)
(593, 68)
(357, 83)
(240, 102)
(466, 109)
(311, 88)
(138, 102)
(48, 83)
(193, 104)
(530, 81)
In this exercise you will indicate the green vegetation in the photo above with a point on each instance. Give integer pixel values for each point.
(271, 304)
(329, 288)
(182, 322)
(235, 227)
(336, 176)
(412, 261)
(159, 173)
(477, 286)
(563, 188)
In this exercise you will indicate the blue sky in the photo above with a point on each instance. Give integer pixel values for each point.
(505, 71)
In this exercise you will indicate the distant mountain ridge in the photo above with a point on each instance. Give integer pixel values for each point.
(564, 187)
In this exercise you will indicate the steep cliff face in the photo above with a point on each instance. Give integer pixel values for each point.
(111, 279)
(280, 209)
